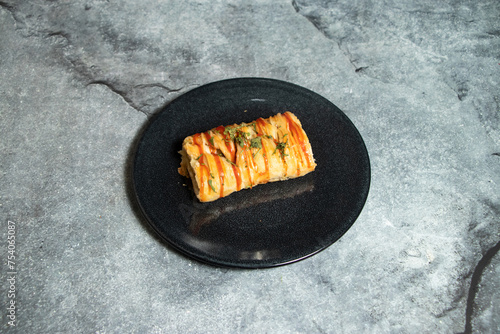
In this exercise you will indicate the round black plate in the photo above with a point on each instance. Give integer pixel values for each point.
(272, 224)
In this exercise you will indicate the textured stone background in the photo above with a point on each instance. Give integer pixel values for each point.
(420, 81)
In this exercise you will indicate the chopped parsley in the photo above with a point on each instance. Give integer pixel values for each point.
(211, 185)
(256, 143)
(232, 163)
(254, 124)
(232, 130)
(235, 133)
(241, 140)
(281, 147)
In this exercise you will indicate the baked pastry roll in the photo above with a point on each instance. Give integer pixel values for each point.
(226, 159)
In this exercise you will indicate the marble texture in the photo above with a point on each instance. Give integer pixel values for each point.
(419, 80)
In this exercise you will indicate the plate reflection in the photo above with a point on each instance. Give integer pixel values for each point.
(198, 215)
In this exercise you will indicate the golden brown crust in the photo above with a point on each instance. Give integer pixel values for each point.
(226, 159)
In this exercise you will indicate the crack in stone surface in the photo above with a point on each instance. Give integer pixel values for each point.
(406, 51)
(125, 93)
(168, 89)
(100, 54)
(121, 93)
(10, 8)
(475, 283)
(59, 34)
(7, 5)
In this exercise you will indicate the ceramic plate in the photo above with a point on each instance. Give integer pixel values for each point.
(272, 224)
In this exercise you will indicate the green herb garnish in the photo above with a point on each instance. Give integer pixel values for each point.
(256, 142)
(253, 155)
(234, 133)
(232, 163)
(281, 147)
(241, 141)
(211, 185)
(255, 127)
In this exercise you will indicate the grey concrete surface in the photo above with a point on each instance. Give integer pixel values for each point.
(419, 80)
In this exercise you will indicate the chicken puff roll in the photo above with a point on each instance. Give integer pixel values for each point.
(230, 158)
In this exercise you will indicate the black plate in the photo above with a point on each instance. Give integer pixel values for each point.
(272, 224)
